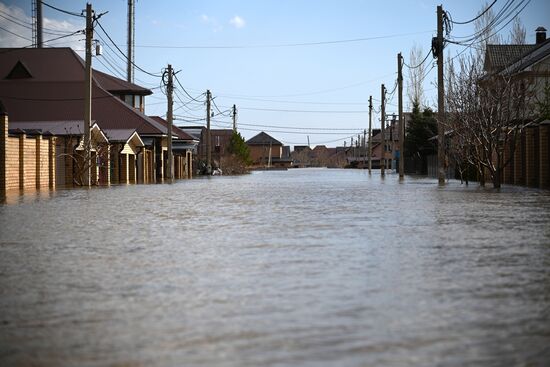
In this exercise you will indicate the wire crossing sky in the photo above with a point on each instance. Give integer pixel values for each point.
(294, 68)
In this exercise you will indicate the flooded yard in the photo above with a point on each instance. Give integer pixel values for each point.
(308, 267)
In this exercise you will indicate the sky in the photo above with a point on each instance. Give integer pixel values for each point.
(296, 69)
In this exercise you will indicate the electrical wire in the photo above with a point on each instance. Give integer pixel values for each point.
(304, 128)
(320, 142)
(63, 11)
(470, 45)
(498, 19)
(479, 15)
(15, 34)
(362, 39)
(21, 24)
(224, 113)
(65, 36)
(302, 111)
(421, 62)
(185, 91)
(123, 54)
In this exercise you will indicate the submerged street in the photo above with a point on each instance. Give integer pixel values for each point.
(303, 267)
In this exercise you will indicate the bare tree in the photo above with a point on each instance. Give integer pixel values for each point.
(97, 151)
(486, 114)
(518, 34)
(484, 31)
(415, 90)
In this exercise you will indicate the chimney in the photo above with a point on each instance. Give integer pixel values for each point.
(541, 35)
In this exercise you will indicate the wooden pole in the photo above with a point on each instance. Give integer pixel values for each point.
(401, 122)
(440, 100)
(169, 119)
(370, 134)
(383, 131)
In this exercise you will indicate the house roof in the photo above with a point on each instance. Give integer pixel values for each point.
(176, 131)
(119, 86)
(263, 139)
(119, 135)
(530, 58)
(194, 131)
(55, 92)
(58, 128)
(499, 56)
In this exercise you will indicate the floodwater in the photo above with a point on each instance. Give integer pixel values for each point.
(309, 267)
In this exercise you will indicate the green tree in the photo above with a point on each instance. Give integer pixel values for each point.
(239, 149)
(422, 127)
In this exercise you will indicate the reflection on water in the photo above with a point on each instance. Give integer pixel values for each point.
(305, 267)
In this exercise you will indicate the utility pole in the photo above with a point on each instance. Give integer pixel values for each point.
(440, 99)
(131, 33)
(401, 122)
(39, 23)
(234, 118)
(208, 136)
(88, 96)
(383, 131)
(169, 119)
(370, 134)
(364, 147)
(308, 142)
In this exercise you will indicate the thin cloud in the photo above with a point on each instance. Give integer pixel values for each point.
(211, 22)
(20, 36)
(237, 22)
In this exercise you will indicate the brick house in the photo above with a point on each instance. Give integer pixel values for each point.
(40, 86)
(266, 151)
(530, 163)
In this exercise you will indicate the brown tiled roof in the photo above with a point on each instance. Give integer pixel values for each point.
(263, 139)
(56, 92)
(119, 86)
(58, 128)
(499, 56)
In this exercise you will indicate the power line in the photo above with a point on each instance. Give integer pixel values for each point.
(301, 111)
(421, 62)
(498, 19)
(123, 54)
(362, 39)
(185, 91)
(63, 11)
(479, 16)
(15, 34)
(319, 142)
(294, 102)
(470, 45)
(65, 36)
(218, 109)
(304, 128)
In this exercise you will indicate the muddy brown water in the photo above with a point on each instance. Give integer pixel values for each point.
(308, 267)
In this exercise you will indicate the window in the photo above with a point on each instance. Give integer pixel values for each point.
(129, 99)
(137, 102)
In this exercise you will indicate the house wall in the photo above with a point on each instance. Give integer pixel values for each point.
(25, 162)
(260, 153)
(544, 161)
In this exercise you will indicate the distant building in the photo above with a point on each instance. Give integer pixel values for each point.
(266, 151)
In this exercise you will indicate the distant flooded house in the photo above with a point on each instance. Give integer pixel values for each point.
(42, 91)
(219, 142)
(266, 151)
